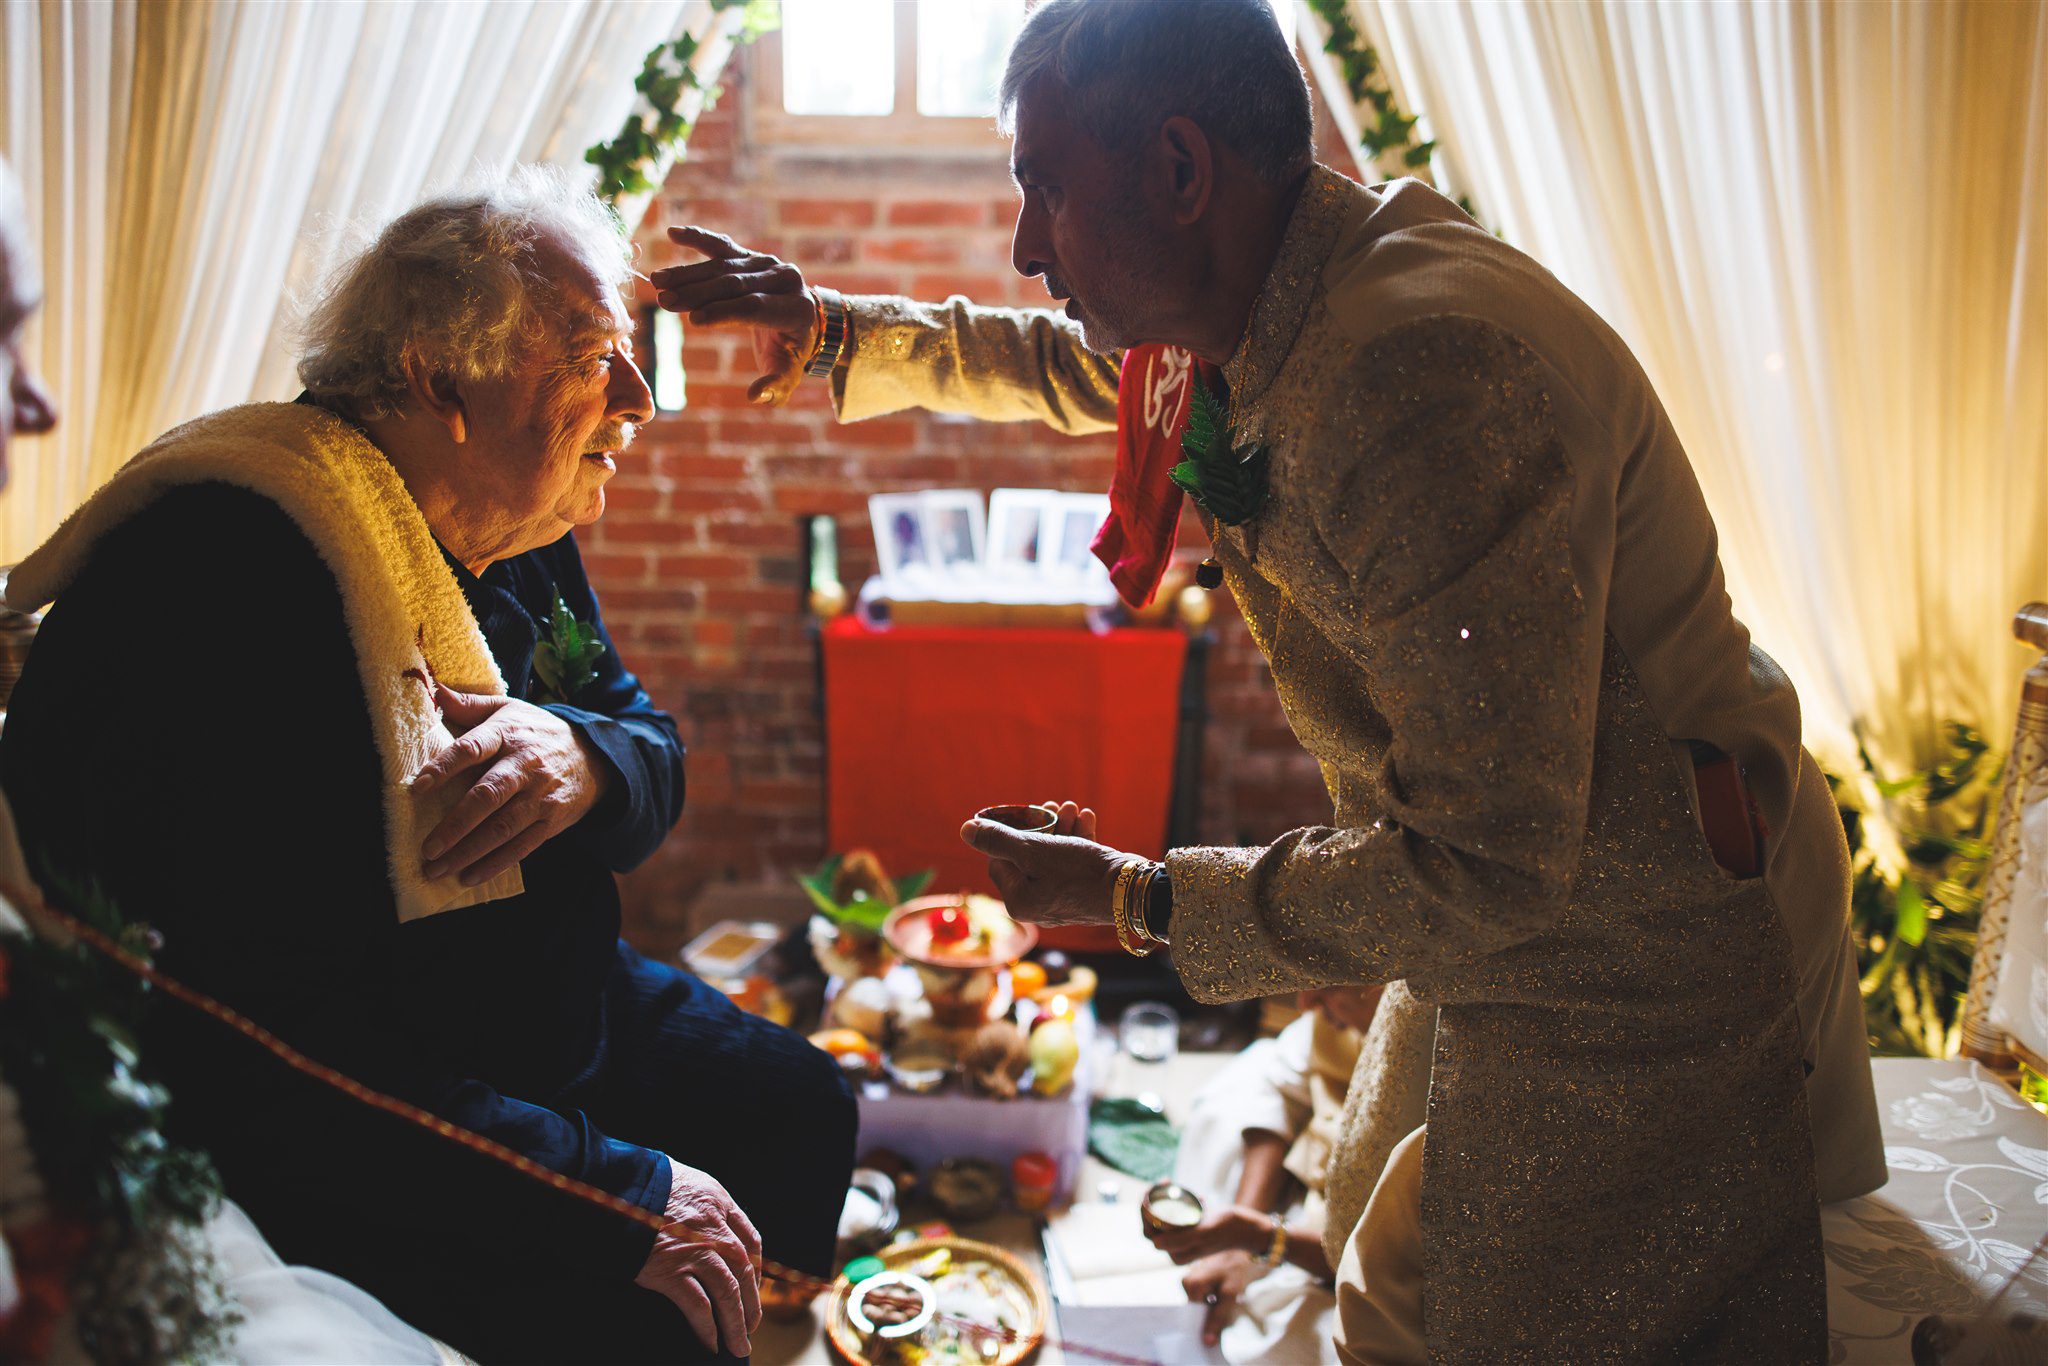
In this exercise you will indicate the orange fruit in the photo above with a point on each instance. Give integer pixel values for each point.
(1026, 978)
(839, 1042)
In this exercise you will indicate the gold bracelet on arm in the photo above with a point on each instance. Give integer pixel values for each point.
(1276, 1251)
(1120, 909)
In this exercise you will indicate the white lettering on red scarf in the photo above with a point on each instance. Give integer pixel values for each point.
(1166, 380)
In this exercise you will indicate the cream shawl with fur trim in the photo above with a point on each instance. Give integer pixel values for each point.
(406, 615)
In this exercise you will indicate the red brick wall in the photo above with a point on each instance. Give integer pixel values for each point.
(697, 560)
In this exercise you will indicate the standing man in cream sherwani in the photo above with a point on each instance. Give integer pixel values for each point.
(1487, 585)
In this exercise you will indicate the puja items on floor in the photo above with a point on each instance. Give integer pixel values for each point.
(733, 955)
(938, 1302)
(854, 894)
(961, 948)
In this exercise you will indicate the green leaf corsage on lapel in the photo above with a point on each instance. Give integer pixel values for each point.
(1227, 480)
(565, 657)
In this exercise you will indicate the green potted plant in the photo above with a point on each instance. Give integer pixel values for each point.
(1914, 916)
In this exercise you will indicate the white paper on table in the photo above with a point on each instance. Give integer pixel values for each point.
(1165, 1335)
(1105, 1255)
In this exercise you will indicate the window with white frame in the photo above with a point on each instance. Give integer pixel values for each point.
(884, 73)
(896, 75)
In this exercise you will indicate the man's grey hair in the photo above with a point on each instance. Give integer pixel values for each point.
(1126, 66)
(454, 285)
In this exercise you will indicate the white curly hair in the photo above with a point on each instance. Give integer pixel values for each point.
(453, 285)
(17, 262)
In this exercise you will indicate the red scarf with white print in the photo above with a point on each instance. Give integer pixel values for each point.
(1152, 397)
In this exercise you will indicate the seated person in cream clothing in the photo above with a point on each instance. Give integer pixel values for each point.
(254, 623)
(1256, 1150)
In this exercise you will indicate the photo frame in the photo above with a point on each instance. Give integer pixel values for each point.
(955, 529)
(901, 545)
(1021, 524)
(1080, 517)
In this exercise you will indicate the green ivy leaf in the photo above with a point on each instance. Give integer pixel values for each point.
(625, 163)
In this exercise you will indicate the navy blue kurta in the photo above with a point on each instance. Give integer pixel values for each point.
(191, 735)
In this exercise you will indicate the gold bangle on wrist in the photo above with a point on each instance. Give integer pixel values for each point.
(1276, 1251)
(1130, 938)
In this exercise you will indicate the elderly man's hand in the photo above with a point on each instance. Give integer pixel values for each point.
(735, 287)
(708, 1262)
(1049, 879)
(530, 778)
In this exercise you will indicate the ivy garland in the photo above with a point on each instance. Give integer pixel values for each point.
(1391, 130)
(625, 164)
(119, 1250)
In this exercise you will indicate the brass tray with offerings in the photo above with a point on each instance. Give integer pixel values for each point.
(949, 1287)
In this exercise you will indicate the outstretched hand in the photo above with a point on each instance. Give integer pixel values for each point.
(735, 287)
(1062, 877)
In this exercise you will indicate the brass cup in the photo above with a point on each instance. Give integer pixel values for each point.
(1030, 819)
(1161, 1194)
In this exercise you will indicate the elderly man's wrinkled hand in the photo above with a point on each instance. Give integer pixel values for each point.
(1048, 879)
(529, 777)
(735, 287)
(708, 1261)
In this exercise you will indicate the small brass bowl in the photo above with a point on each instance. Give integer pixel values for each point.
(919, 1069)
(1030, 819)
(1168, 1207)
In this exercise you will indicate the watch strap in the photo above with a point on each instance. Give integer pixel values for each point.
(832, 340)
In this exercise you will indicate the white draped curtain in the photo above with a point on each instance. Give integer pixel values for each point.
(1823, 228)
(188, 164)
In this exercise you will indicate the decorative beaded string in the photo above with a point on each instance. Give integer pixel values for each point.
(227, 1015)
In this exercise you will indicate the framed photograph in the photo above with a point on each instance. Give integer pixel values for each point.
(954, 529)
(901, 546)
(1081, 515)
(1021, 525)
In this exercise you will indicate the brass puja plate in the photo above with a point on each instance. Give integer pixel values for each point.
(992, 1276)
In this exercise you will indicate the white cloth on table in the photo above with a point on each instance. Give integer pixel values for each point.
(1286, 1315)
(1965, 1205)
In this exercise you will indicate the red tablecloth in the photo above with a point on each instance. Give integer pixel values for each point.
(926, 725)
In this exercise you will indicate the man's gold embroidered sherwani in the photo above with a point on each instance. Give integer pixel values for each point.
(1488, 588)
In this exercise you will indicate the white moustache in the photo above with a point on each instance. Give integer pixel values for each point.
(604, 443)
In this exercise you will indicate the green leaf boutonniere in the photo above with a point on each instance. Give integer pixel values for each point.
(1226, 480)
(565, 658)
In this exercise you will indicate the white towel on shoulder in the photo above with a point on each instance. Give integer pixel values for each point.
(407, 617)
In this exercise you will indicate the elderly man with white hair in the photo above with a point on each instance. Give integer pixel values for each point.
(325, 698)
